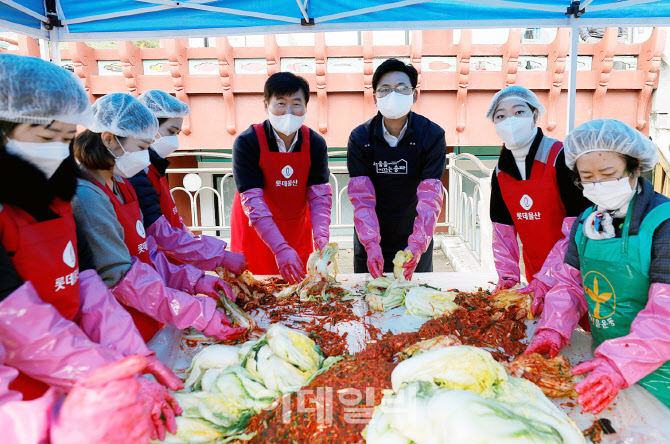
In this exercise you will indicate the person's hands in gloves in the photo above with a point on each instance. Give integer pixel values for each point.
(234, 262)
(546, 342)
(599, 388)
(106, 407)
(162, 373)
(212, 286)
(220, 329)
(410, 265)
(161, 405)
(539, 290)
(290, 266)
(375, 260)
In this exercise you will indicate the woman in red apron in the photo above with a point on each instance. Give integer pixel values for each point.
(161, 218)
(58, 321)
(281, 210)
(532, 194)
(124, 255)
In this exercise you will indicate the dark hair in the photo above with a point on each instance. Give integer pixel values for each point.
(284, 84)
(91, 152)
(632, 165)
(7, 127)
(393, 65)
(162, 120)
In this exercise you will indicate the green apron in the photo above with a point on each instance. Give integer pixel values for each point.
(615, 276)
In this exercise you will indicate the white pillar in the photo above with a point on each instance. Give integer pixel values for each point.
(572, 78)
(54, 43)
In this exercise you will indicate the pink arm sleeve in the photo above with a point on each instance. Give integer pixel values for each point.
(180, 277)
(203, 252)
(104, 320)
(647, 346)
(143, 289)
(362, 196)
(320, 199)
(23, 422)
(43, 344)
(564, 304)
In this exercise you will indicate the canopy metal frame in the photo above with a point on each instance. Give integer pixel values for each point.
(572, 14)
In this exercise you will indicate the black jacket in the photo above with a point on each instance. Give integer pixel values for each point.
(25, 186)
(149, 200)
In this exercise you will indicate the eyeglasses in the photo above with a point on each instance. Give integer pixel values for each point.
(400, 89)
(580, 183)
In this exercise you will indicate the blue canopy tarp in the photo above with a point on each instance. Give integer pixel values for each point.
(78, 20)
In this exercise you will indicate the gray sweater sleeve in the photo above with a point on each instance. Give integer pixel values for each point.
(95, 215)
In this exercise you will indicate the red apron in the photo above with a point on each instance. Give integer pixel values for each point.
(285, 191)
(536, 206)
(134, 236)
(168, 207)
(45, 253)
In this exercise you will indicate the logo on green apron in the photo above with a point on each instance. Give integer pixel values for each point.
(605, 297)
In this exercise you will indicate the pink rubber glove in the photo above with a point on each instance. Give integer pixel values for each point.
(182, 277)
(289, 263)
(204, 252)
(220, 329)
(162, 373)
(290, 266)
(161, 404)
(211, 285)
(544, 279)
(428, 208)
(647, 346)
(234, 262)
(362, 196)
(599, 388)
(143, 289)
(375, 260)
(546, 342)
(505, 256)
(410, 266)
(43, 344)
(538, 290)
(320, 199)
(105, 408)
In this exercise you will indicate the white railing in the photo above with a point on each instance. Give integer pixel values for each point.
(468, 215)
(466, 209)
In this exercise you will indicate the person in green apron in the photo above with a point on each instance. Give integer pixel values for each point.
(617, 268)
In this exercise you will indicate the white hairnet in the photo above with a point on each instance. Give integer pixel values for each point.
(164, 105)
(609, 135)
(124, 116)
(35, 91)
(515, 92)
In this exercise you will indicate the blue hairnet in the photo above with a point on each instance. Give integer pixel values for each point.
(164, 105)
(35, 91)
(124, 116)
(609, 135)
(515, 92)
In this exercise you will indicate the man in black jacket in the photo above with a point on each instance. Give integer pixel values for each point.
(396, 161)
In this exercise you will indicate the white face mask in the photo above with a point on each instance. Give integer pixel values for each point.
(395, 106)
(610, 195)
(166, 145)
(516, 132)
(129, 164)
(286, 124)
(47, 157)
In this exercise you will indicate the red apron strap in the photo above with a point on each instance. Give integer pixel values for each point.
(553, 154)
(262, 137)
(127, 190)
(155, 177)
